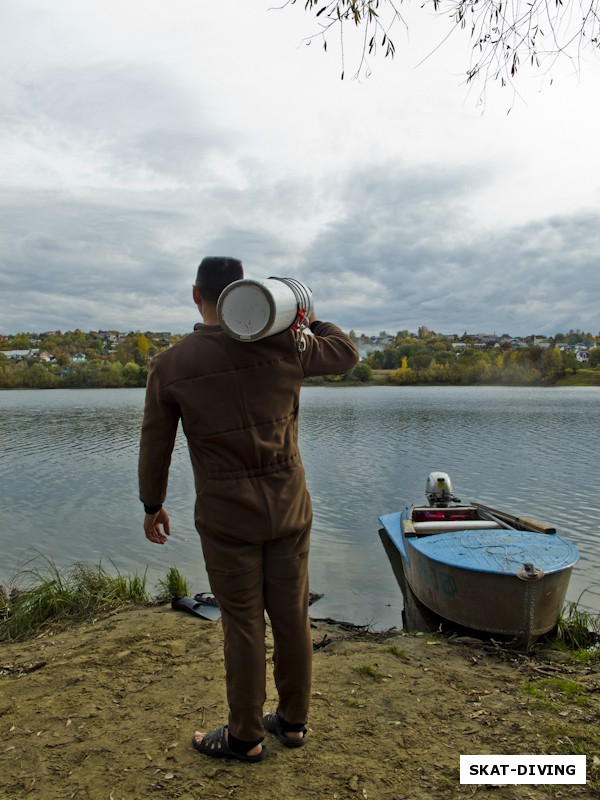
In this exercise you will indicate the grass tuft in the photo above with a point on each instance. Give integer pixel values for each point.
(352, 702)
(174, 585)
(398, 652)
(368, 671)
(48, 595)
(556, 691)
(576, 629)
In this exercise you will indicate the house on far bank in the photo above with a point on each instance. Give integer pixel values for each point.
(582, 352)
(78, 357)
(17, 355)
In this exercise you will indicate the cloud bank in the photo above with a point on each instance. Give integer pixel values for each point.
(121, 169)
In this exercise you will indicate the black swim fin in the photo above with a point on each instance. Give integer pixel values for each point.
(195, 607)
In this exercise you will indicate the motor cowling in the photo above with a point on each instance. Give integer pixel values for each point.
(438, 489)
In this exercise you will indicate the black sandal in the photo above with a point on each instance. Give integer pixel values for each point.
(275, 724)
(214, 744)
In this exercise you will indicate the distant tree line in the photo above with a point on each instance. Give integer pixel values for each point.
(79, 359)
(94, 374)
(111, 360)
(436, 361)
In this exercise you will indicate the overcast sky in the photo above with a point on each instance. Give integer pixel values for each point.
(138, 136)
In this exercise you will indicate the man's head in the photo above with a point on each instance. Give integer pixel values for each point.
(214, 274)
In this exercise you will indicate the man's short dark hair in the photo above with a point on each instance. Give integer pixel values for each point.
(215, 273)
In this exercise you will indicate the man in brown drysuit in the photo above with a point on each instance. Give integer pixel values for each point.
(238, 404)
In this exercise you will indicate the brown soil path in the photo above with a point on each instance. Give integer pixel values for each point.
(106, 711)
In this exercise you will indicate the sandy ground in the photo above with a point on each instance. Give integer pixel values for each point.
(106, 711)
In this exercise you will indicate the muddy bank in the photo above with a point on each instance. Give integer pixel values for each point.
(107, 709)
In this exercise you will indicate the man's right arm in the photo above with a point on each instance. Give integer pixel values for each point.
(159, 428)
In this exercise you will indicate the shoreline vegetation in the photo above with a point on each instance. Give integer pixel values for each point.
(106, 359)
(42, 596)
(101, 700)
(580, 378)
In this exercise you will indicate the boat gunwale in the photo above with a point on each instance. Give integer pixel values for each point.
(409, 542)
(414, 542)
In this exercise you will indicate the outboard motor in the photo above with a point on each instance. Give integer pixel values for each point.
(438, 490)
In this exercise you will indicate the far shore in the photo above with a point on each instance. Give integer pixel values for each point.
(582, 378)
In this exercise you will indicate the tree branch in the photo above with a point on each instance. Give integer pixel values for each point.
(506, 34)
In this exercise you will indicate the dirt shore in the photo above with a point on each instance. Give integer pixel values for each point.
(106, 711)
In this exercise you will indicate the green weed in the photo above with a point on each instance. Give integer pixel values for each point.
(555, 691)
(49, 594)
(576, 629)
(352, 702)
(397, 651)
(174, 585)
(368, 671)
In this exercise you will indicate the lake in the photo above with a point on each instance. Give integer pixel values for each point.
(69, 482)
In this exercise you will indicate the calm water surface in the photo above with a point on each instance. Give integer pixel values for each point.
(69, 458)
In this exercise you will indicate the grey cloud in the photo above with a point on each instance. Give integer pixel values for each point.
(404, 232)
(82, 256)
(386, 248)
(131, 116)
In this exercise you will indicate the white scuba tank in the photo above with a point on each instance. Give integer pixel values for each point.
(252, 309)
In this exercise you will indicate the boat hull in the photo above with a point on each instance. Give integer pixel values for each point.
(476, 579)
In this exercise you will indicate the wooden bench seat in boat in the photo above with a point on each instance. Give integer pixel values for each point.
(441, 526)
(444, 526)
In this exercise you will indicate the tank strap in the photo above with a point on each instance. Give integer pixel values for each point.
(299, 327)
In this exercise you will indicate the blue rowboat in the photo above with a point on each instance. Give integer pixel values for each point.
(482, 568)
